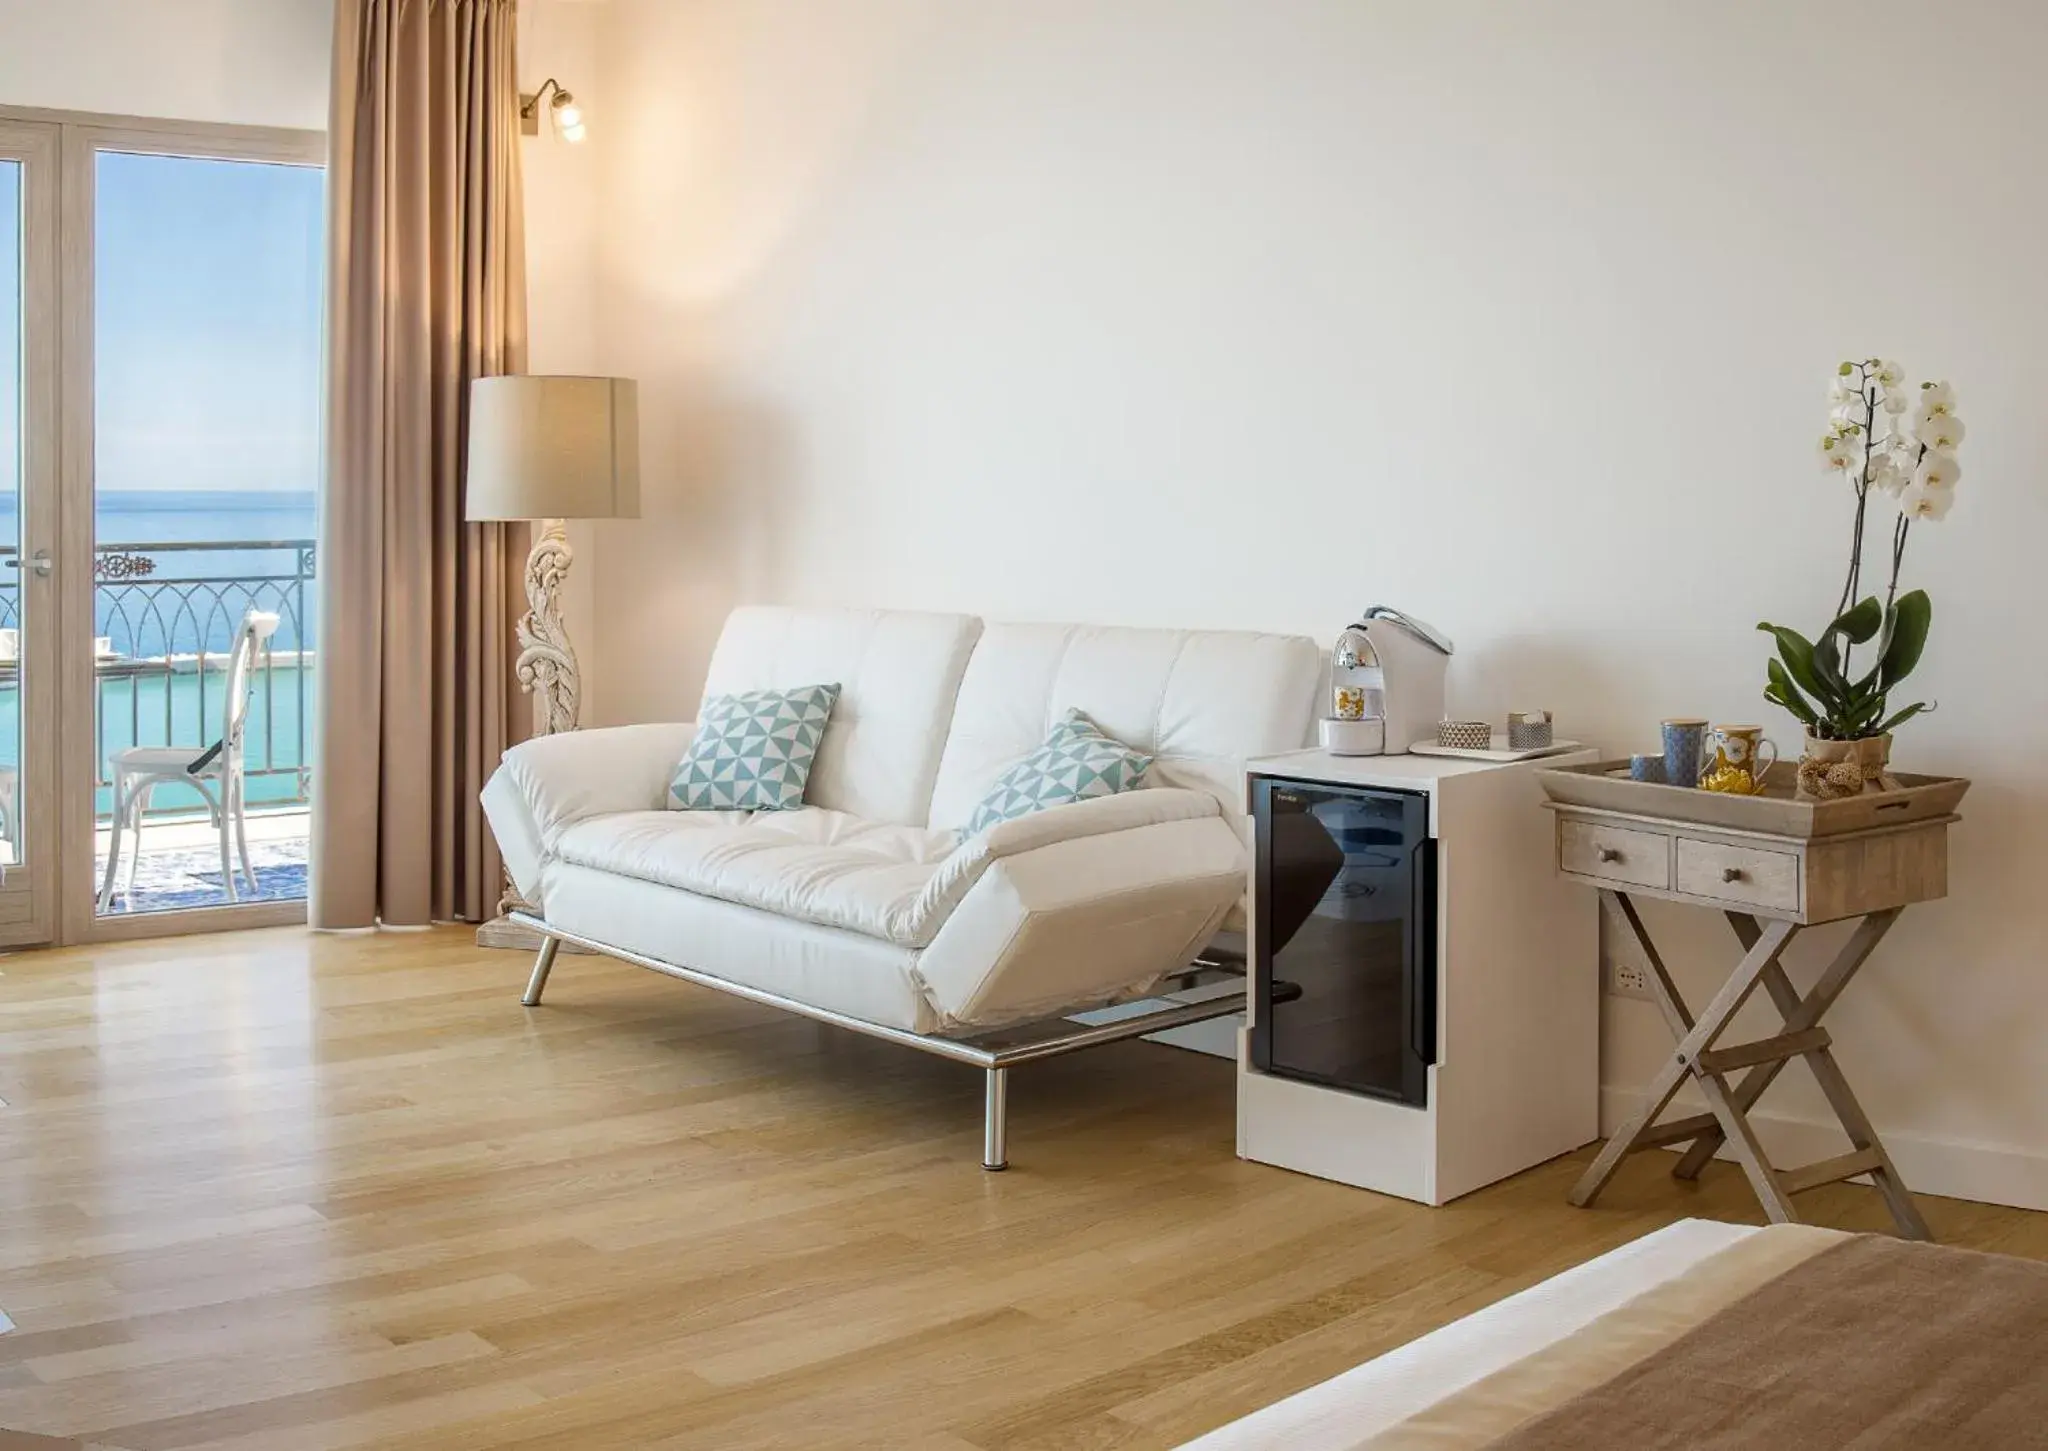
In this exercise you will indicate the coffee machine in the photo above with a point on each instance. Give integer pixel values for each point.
(1386, 685)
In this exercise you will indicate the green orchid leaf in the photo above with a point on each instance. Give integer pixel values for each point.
(1860, 716)
(1901, 718)
(1782, 692)
(1781, 680)
(1860, 623)
(1797, 653)
(1914, 614)
(1827, 668)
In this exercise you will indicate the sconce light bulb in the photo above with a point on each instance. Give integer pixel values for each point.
(572, 131)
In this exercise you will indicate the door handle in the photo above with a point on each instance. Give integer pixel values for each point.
(41, 564)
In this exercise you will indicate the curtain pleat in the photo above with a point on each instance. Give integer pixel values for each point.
(427, 290)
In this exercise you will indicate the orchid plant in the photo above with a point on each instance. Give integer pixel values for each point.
(1871, 443)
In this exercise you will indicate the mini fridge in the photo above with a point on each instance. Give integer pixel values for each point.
(1347, 883)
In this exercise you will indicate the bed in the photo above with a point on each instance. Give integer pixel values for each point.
(1707, 1335)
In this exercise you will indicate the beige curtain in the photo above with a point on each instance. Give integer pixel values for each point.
(427, 288)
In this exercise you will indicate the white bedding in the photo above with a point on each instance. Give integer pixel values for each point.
(1347, 1409)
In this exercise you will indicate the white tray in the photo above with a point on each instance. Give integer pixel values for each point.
(1499, 751)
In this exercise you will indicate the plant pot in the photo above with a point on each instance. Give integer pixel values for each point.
(1834, 770)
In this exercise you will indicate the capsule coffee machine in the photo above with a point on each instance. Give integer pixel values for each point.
(1386, 685)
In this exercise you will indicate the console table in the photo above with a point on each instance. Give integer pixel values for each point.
(1772, 865)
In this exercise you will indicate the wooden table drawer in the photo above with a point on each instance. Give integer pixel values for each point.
(1749, 874)
(1614, 853)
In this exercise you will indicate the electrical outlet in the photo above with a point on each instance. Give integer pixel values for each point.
(1627, 980)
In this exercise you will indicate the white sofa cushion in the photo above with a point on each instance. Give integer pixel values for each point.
(898, 674)
(549, 783)
(843, 972)
(1201, 702)
(811, 864)
(895, 883)
(1072, 821)
(1082, 921)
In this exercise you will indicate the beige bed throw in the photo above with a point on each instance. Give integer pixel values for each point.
(1795, 1337)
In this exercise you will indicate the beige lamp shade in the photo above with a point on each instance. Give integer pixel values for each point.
(546, 447)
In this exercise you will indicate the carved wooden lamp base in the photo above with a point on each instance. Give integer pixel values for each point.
(547, 671)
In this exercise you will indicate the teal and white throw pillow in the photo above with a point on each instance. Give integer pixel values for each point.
(753, 751)
(1075, 762)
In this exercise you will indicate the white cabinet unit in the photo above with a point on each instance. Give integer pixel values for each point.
(1436, 1022)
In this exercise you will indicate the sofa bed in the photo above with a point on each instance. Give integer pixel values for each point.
(871, 905)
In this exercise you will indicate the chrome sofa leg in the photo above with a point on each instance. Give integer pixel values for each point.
(542, 965)
(995, 1126)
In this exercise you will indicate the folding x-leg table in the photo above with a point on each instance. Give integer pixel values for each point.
(1770, 885)
(1698, 1058)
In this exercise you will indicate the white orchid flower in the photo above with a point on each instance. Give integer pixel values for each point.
(1890, 375)
(1842, 453)
(1844, 390)
(1896, 401)
(1937, 400)
(1942, 433)
(1888, 475)
(1921, 502)
(1936, 471)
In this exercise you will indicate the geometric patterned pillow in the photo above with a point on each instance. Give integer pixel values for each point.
(753, 752)
(1075, 762)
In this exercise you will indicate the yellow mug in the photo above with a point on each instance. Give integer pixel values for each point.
(1742, 758)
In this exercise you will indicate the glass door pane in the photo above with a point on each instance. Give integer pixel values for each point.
(206, 426)
(1346, 911)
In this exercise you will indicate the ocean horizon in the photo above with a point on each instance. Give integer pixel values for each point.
(137, 516)
(192, 599)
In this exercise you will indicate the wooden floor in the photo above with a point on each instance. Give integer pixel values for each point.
(278, 1192)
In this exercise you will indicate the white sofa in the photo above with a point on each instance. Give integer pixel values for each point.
(869, 907)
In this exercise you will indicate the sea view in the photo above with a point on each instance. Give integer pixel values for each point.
(178, 607)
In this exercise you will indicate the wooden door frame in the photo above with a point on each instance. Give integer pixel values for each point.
(28, 903)
(80, 137)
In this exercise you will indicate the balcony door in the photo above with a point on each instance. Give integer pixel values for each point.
(201, 258)
(30, 854)
(161, 346)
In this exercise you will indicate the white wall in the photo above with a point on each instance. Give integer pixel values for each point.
(252, 62)
(1519, 317)
(558, 39)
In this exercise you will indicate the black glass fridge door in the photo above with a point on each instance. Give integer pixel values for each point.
(1347, 914)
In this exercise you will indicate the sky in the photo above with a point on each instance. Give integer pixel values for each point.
(207, 324)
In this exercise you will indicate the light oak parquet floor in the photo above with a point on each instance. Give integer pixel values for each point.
(278, 1192)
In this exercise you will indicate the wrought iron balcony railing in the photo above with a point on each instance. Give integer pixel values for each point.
(165, 615)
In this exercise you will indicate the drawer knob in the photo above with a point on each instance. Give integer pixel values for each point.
(1610, 853)
(1731, 874)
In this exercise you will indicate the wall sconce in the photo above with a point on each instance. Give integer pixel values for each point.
(561, 105)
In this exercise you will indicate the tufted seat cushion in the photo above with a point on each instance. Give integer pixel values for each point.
(813, 864)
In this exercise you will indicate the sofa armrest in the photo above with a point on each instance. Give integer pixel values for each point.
(544, 786)
(1061, 917)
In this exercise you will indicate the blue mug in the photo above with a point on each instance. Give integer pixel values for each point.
(1685, 741)
(1646, 768)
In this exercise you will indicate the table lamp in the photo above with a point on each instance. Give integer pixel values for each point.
(552, 448)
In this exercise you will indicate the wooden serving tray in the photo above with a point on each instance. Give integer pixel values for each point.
(1776, 811)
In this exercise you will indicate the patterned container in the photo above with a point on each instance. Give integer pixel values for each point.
(1529, 730)
(1464, 735)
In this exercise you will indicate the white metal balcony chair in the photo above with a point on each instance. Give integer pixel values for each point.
(10, 815)
(215, 773)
